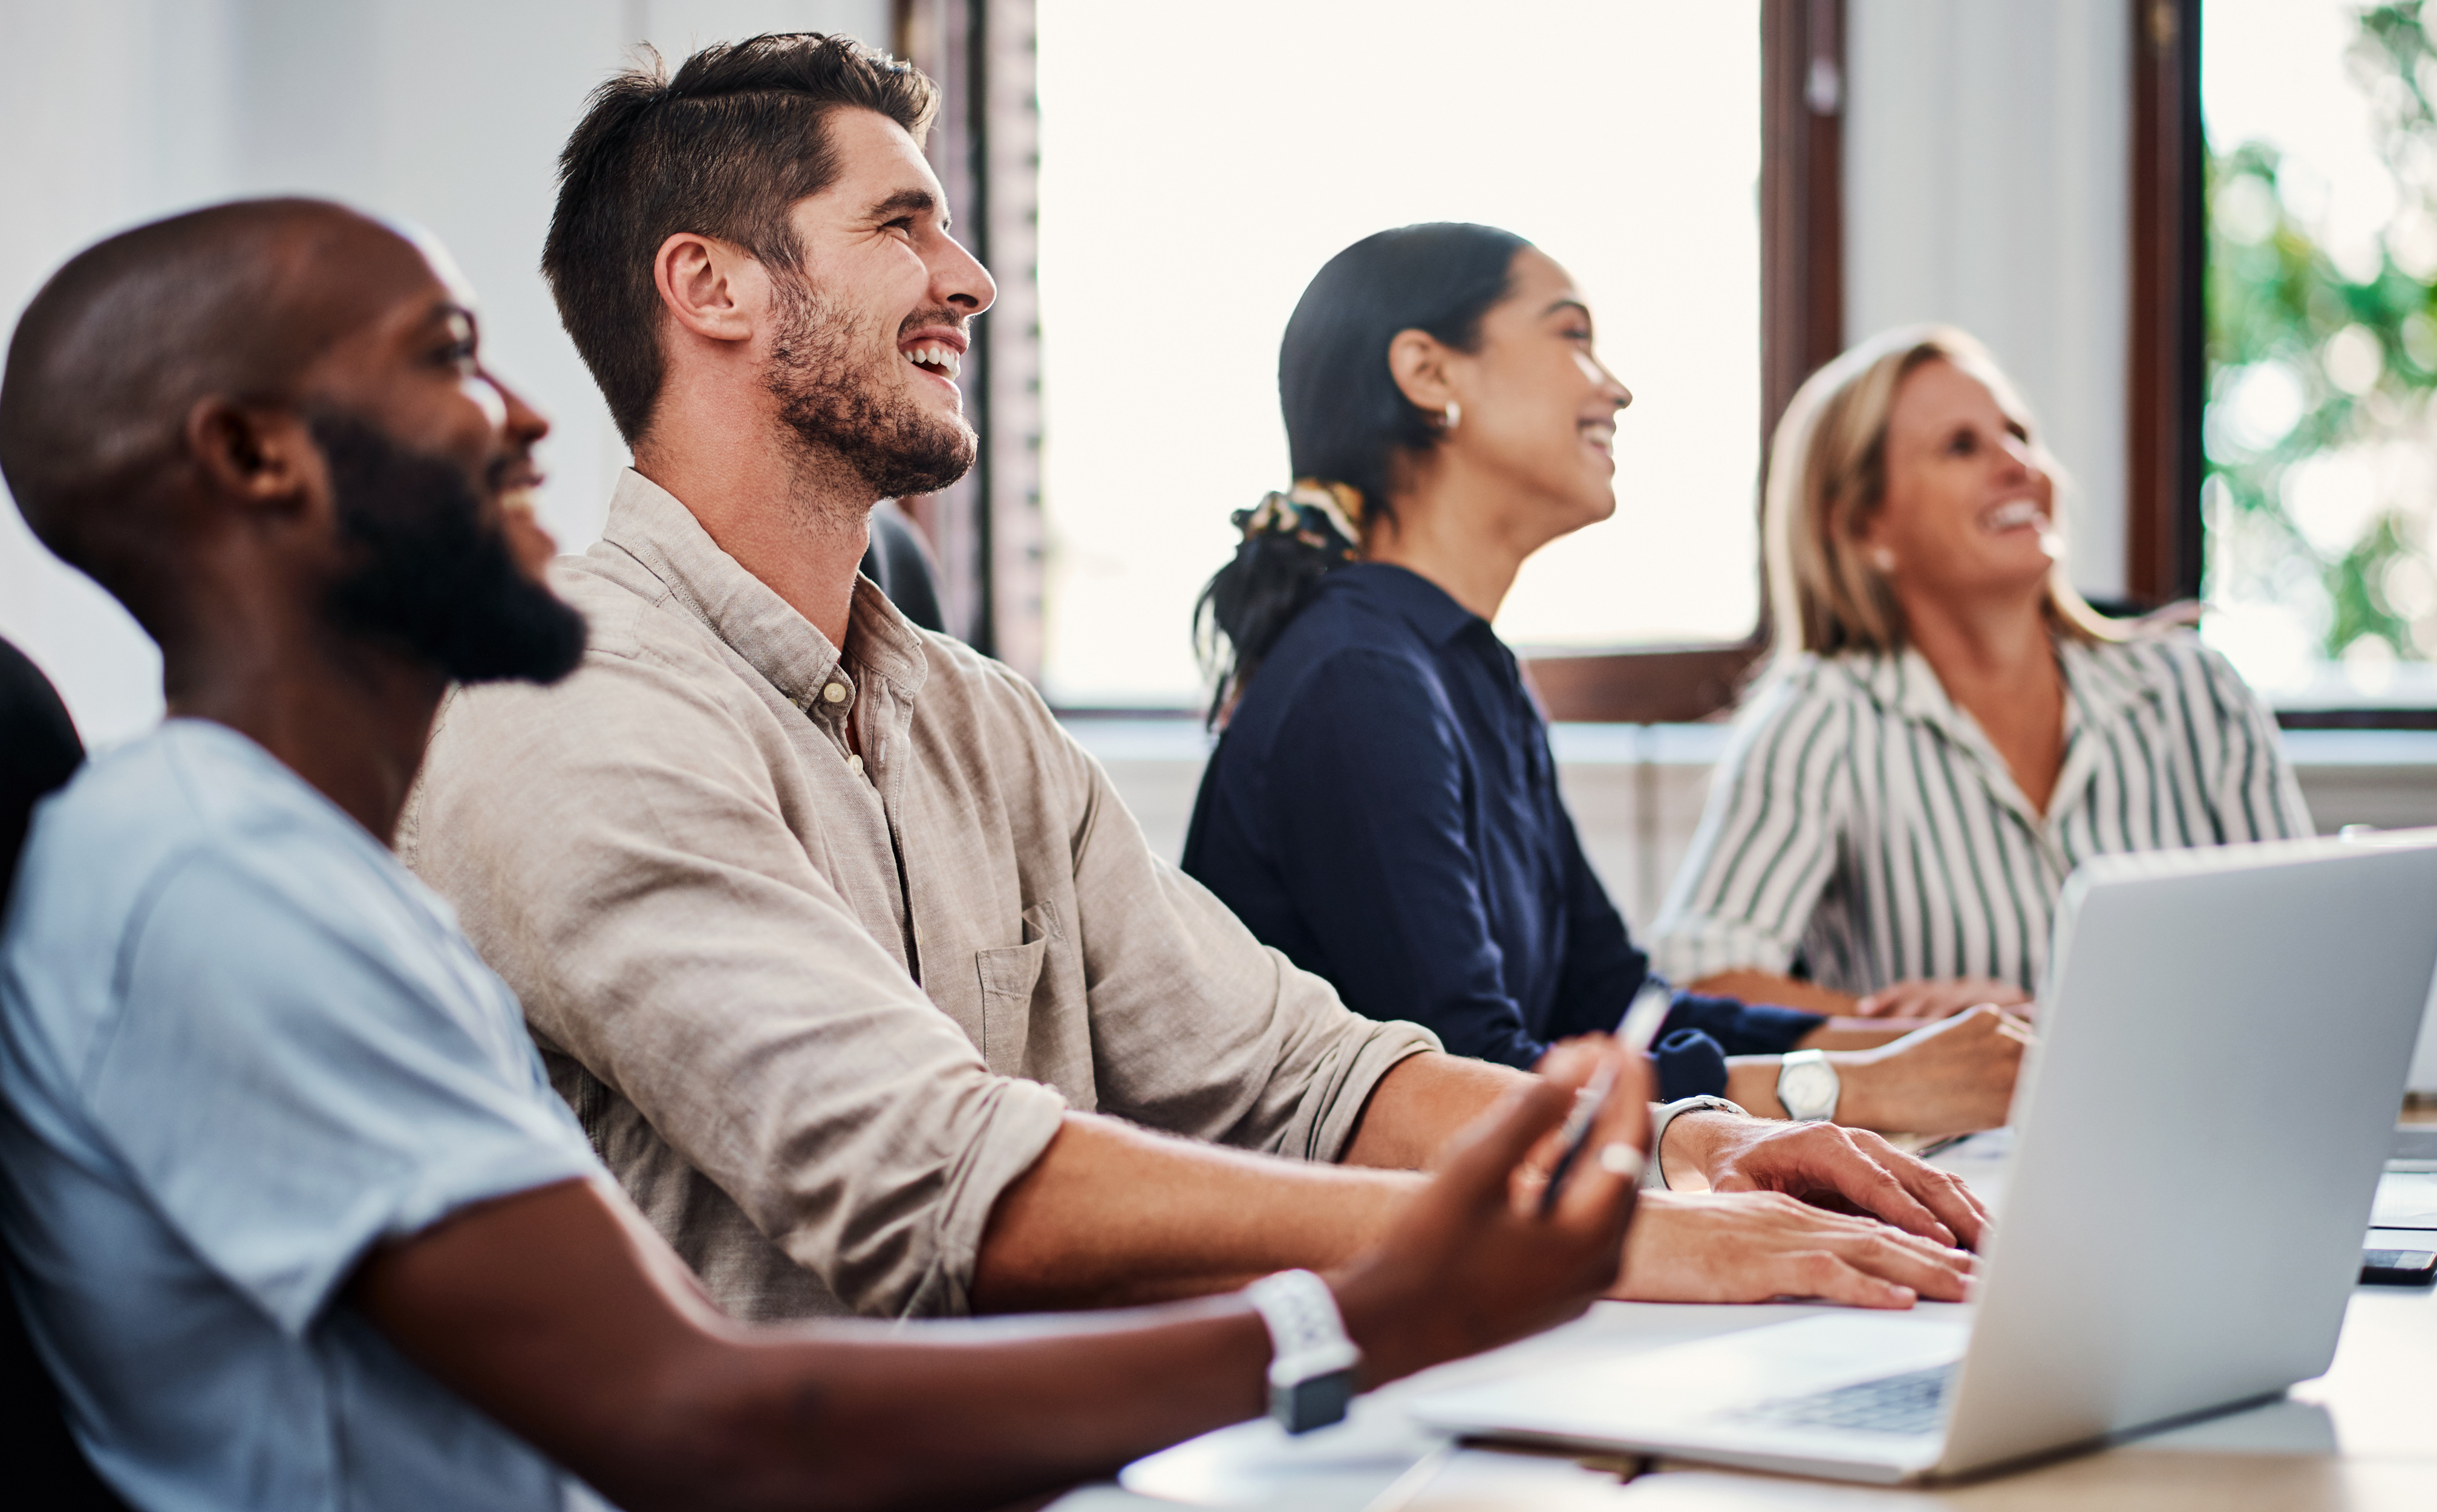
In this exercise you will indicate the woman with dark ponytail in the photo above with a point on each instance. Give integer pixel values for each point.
(1382, 806)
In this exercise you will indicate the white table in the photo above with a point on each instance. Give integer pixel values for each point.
(2360, 1438)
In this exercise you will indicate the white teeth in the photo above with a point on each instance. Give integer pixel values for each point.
(2013, 515)
(516, 502)
(938, 357)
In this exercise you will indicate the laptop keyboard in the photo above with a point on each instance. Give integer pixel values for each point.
(1910, 1404)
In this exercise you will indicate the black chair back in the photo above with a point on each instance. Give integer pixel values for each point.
(900, 561)
(39, 1464)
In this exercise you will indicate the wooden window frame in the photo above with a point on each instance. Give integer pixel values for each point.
(2167, 361)
(2166, 535)
(986, 530)
(1802, 327)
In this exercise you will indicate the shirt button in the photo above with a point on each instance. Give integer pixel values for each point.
(854, 763)
(834, 693)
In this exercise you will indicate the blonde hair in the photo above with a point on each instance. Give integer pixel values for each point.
(1828, 473)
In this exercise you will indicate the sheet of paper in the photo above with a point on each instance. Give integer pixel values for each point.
(2405, 1199)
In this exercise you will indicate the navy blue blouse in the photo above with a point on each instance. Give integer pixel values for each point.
(1383, 809)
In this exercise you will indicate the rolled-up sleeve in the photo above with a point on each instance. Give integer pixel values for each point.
(1766, 845)
(1197, 1027)
(620, 855)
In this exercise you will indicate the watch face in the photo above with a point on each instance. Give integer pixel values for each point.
(1315, 1402)
(1808, 1090)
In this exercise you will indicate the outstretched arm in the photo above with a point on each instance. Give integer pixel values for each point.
(559, 1311)
(1115, 1214)
(1112, 1215)
(1949, 1076)
(1754, 986)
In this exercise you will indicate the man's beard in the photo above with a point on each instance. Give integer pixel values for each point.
(871, 426)
(431, 576)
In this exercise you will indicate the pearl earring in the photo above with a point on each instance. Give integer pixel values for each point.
(1451, 416)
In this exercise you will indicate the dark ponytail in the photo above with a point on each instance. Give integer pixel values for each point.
(1347, 423)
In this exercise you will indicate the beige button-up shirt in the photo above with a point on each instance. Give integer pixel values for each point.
(817, 1012)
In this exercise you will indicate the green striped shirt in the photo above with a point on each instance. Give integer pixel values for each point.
(1862, 823)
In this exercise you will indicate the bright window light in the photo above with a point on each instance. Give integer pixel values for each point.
(2321, 506)
(1198, 164)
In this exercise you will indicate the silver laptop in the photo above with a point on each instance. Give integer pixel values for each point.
(2224, 1038)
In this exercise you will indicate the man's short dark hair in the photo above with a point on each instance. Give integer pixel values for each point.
(723, 150)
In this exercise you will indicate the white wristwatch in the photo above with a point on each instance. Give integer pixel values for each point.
(1808, 1086)
(1311, 1372)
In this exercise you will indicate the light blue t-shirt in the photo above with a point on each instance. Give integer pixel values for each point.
(240, 1046)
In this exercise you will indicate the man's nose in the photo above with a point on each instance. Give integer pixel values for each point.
(959, 281)
(525, 423)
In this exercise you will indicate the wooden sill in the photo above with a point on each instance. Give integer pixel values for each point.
(1663, 685)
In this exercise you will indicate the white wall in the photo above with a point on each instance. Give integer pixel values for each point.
(1636, 791)
(447, 113)
(1987, 163)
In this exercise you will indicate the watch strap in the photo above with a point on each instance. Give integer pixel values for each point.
(1312, 1360)
(1653, 1173)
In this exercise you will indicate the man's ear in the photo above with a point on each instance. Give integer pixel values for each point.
(263, 459)
(713, 289)
(1418, 361)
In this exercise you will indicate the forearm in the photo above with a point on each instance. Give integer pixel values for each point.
(563, 1316)
(851, 1418)
(1422, 1102)
(1110, 1214)
(1859, 1033)
(1768, 987)
(1751, 1085)
(1874, 1091)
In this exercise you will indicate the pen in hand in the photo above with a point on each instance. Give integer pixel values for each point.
(1577, 1132)
(1642, 1018)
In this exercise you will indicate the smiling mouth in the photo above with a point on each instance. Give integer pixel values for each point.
(938, 359)
(2015, 513)
(1600, 436)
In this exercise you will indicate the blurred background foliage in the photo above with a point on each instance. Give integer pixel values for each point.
(2322, 491)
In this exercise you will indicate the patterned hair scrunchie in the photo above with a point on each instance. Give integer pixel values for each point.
(1311, 512)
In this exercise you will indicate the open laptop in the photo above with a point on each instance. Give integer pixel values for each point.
(2224, 1036)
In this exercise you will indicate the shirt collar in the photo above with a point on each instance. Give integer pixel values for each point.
(1420, 602)
(2102, 687)
(1905, 683)
(651, 525)
(2099, 689)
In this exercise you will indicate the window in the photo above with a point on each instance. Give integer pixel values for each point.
(2319, 504)
(1184, 209)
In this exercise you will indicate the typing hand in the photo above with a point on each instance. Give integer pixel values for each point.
(1919, 999)
(1825, 1165)
(1475, 1261)
(1753, 1246)
(1955, 1076)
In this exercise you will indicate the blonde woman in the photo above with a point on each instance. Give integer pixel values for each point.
(1948, 728)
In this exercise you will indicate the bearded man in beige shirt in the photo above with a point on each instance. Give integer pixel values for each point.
(853, 964)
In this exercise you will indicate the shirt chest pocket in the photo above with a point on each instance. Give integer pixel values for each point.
(1010, 976)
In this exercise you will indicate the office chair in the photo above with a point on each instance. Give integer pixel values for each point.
(40, 1468)
(900, 562)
